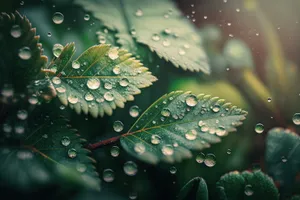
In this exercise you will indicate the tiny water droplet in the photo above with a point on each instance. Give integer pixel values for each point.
(108, 85)
(80, 167)
(58, 18)
(216, 108)
(108, 175)
(89, 97)
(134, 111)
(116, 70)
(118, 126)
(139, 148)
(269, 99)
(56, 80)
(108, 96)
(86, 17)
(283, 159)
(155, 37)
(173, 170)
(65, 141)
(139, 13)
(221, 131)
(22, 114)
(113, 53)
(130, 168)
(93, 83)
(124, 82)
(259, 128)
(166, 112)
(72, 153)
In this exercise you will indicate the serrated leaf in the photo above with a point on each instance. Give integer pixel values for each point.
(283, 155)
(50, 151)
(104, 78)
(195, 189)
(179, 122)
(17, 68)
(158, 24)
(247, 185)
(238, 54)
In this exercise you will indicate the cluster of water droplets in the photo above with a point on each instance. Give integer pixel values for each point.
(209, 159)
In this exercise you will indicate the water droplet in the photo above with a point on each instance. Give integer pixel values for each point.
(166, 43)
(57, 49)
(165, 112)
(200, 158)
(134, 111)
(181, 52)
(216, 108)
(155, 37)
(49, 34)
(191, 135)
(61, 89)
(248, 190)
(191, 100)
(22, 114)
(108, 85)
(72, 153)
(259, 128)
(139, 13)
(16, 31)
(7, 128)
(19, 129)
(25, 53)
(108, 175)
(76, 64)
(284, 159)
(155, 139)
(228, 151)
(86, 17)
(80, 167)
(108, 96)
(116, 70)
(73, 99)
(221, 131)
(173, 170)
(210, 160)
(115, 151)
(118, 126)
(113, 53)
(167, 150)
(139, 148)
(296, 118)
(269, 99)
(58, 18)
(56, 80)
(65, 141)
(130, 168)
(124, 82)
(93, 83)
(133, 195)
(89, 97)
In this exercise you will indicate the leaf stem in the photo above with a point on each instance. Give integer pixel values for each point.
(103, 142)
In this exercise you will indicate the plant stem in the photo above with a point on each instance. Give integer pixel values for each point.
(103, 142)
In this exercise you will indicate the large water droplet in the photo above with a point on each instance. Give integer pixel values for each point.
(93, 83)
(16, 31)
(248, 190)
(259, 128)
(65, 141)
(210, 160)
(191, 100)
(72, 153)
(296, 118)
(191, 134)
(167, 150)
(57, 49)
(58, 18)
(86, 17)
(108, 175)
(130, 168)
(118, 126)
(155, 139)
(134, 111)
(25, 53)
(139, 148)
(115, 151)
(200, 158)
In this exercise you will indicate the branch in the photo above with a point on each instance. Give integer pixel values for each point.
(103, 143)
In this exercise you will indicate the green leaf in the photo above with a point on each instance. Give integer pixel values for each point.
(179, 122)
(195, 189)
(102, 79)
(283, 155)
(296, 197)
(20, 53)
(50, 151)
(247, 185)
(238, 54)
(158, 24)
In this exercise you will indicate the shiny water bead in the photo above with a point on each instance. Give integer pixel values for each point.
(61, 89)
(130, 168)
(16, 31)
(108, 85)
(296, 118)
(89, 97)
(108, 175)
(133, 195)
(139, 148)
(155, 37)
(116, 70)
(216, 108)
(108, 96)
(56, 80)
(124, 82)
(173, 170)
(115, 151)
(86, 17)
(113, 53)
(75, 64)
(248, 190)
(221, 131)
(259, 128)
(210, 160)
(200, 158)
(22, 114)
(25, 53)
(228, 151)
(57, 49)
(191, 134)
(73, 99)
(139, 13)
(80, 167)
(58, 18)
(7, 128)
(134, 111)
(72, 153)
(118, 126)
(155, 139)
(167, 150)
(269, 99)
(166, 112)
(191, 100)
(93, 83)
(19, 129)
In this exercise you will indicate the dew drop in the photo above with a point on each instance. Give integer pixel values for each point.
(165, 112)
(116, 70)
(108, 175)
(61, 89)
(108, 85)
(56, 80)
(89, 97)
(221, 131)
(57, 49)
(139, 13)
(191, 134)
(58, 18)
(155, 37)
(269, 99)
(134, 111)
(173, 170)
(130, 168)
(113, 53)
(191, 100)
(283, 159)
(200, 158)
(167, 150)
(93, 83)
(16, 31)
(72, 153)
(124, 82)
(115, 151)
(210, 160)
(86, 17)
(216, 108)
(22, 114)
(248, 190)
(108, 96)
(75, 64)
(139, 148)
(118, 126)
(296, 118)
(73, 99)
(259, 128)
(155, 139)
(80, 167)
(25, 53)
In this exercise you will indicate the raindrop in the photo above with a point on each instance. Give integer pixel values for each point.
(248, 190)
(191, 135)
(86, 17)
(221, 131)
(139, 13)
(16, 31)
(115, 151)
(139, 148)
(296, 118)
(80, 167)
(284, 159)
(124, 82)
(108, 175)
(75, 64)
(73, 99)
(56, 80)
(19, 129)
(200, 158)
(58, 18)
(22, 114)
(210, 160)
(113, 53)
(216, 108)
(191, 100)
(165, 112)
(25, 53)
(155, 37)
(72, 153)
(228, 151)
(167, 150)
(61, 89)
(134, 111)
(89, 97)
(118, 126)
(269, 99)
(259, 128)
(173, 170)
(57, 49)
(130, 168)
(93, 83)
(116, 70)
(108, 85)
(181, 52)
(155, 139)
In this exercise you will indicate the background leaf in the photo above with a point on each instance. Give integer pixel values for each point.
(135, 21)
(195, 189)
(99, 80)
(178, 122)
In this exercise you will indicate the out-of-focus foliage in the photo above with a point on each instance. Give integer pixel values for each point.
(195, 189)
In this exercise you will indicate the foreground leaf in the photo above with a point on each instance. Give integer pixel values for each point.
(179, 122)
(99, 80)
(283, 155)
(195, 189)
(158, 24)
(247, 185)
(20, 53)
